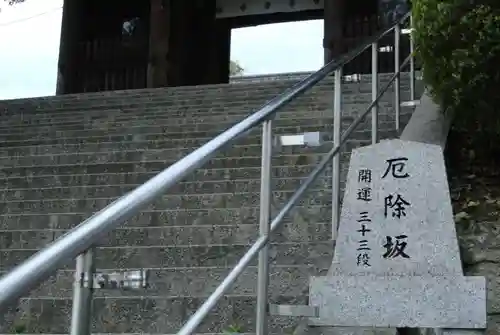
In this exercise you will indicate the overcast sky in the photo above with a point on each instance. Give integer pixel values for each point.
(29, 39)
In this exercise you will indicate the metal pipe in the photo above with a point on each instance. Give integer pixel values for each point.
(412, 62)
(397, 82)
(81, 314)
(264, 227)
(42, 264)
(337, 130)
(196, 319)
(374, 92)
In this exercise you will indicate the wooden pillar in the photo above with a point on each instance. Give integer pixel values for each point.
(70, 33)
(334, 18)
(187, 45)
(159, 42)
(220, 53)
(199, 42)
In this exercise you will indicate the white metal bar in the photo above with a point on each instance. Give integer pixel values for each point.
(374, 92)
(81, 314)
(264, 227)
(397, 83)
(294, 310)
(42, 264)
(308, 139)
(412, 103)
(337, 129)
(196, 319)
(412, 62)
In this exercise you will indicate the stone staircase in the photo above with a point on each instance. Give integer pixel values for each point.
(63, 158)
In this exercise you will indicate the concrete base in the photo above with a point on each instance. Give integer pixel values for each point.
(394, 301)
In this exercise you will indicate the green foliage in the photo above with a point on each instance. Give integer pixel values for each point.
(235, 69)
(458, 43)
(234, 329)
(19, 329)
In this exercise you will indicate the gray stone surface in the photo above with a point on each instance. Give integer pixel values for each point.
(315, 253)
(147, 314)
(400, 301)
(40, 106)
(285, 281)
(62, 158)
(428, 124)
(426, 220)
(398, 264)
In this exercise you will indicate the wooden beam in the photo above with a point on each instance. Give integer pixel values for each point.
(159, 43)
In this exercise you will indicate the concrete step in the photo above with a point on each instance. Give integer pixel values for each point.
(155, 315)
(64, 158)
(116, 118)
(289, 127)
(318, 196)
(123, 166)
(201, 91)
(200, 179)
(196, 93)
(79, 190)
(171, 155)
(168, 126)
(203, 216)
(181, 106)
(96, 176)
(173, 235)
(183, 115)
(155, 133)
(288, 280)
(60, 149)
(192, 91)
(128, 112)
(317, 254)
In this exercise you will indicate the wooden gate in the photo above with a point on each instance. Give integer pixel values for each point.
(111, 64)
(356, 31)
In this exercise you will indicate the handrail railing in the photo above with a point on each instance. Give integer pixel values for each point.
(80, 240)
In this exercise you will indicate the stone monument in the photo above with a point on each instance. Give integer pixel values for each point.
(397, 262)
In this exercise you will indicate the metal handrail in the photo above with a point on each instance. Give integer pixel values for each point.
(81, 239)
(204, 309)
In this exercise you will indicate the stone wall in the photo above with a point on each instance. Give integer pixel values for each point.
(472, 162)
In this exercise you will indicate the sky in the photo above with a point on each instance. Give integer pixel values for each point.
(30, 32)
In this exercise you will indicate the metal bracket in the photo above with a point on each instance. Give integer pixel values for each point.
(310, 139)
(127, 280)
(387, 48)
(294, 310)
(352, 78)
(412, 103)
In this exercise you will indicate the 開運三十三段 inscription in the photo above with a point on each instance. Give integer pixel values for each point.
(364, 194)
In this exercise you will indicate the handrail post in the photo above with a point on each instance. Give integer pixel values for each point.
(412, 62)
(337, 129)
(81, 316)
(397, 82)
(264, 228)
(375, 92)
